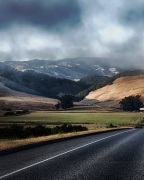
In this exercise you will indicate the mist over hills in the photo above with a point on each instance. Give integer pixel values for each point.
(40, 84)
(71, 68)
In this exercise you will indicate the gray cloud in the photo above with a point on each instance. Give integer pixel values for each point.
(128, 53)
(132, 14)
(50, 14)
(56, 29)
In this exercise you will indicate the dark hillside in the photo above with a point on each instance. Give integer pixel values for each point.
(38, 83)
(93, 79)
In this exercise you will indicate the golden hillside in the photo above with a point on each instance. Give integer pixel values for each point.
(110, 95)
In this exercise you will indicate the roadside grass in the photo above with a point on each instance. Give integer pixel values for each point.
(7, 144)
(76, 117)
(55, 118)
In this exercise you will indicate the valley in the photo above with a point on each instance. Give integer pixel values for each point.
(24, 86)
(96, 98)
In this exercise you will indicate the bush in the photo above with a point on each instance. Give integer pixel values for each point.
(19, 132)
(39, 130)
(7, 109)
(25, 112)
(65, 128)
(111, 126)
(139, 126)
(10, 113)
(18, 112)
(12, 132)
(22, 112)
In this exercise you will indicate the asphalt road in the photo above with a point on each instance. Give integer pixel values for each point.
(117, 155)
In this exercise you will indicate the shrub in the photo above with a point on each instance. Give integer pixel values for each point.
(22, 112)
(9, 113)
(19, 132)
(139, 126)
(111, 126)
(18, 112)
(14, 131)
(7, 109)
(25, 111)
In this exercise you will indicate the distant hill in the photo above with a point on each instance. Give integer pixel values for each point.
(92, 79)
(107, 81)
(37, 83)
(39, 91)
(121, 87)
(71, 68)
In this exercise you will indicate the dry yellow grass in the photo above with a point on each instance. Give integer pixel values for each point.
(110, 95)
(6, 144)
(20, 100)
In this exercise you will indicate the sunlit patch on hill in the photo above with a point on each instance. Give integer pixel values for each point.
(110, 95)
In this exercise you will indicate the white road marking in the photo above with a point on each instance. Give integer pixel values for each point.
(14, 172)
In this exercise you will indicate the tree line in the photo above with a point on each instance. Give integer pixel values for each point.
(16, 131)
(131, 103)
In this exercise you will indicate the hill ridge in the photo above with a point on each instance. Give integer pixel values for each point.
(70, 68)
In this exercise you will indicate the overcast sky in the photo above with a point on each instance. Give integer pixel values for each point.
(56, 29)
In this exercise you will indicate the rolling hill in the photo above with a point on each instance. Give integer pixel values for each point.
(106, 81)
(92, 79)
(41, 84)
(39, 90)
(71, 68)
(19, 100)
(110, 95)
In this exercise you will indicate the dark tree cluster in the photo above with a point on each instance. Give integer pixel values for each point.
(19, 131)
(66, 101)
(131, 103)
(15, 113)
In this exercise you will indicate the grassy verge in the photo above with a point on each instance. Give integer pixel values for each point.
(6, 143)
(50, 118)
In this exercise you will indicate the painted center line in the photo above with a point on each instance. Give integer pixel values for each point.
(27, 167)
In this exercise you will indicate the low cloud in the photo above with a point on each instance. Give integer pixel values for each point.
(53, 29)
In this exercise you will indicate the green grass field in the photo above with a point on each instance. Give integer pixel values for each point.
(79, 117)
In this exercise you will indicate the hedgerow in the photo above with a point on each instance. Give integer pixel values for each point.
(19, 132)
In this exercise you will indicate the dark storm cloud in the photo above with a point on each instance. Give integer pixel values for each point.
(50, 14)
(129, 53)
(56, 29)
(132, 14)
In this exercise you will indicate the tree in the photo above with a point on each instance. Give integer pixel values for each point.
(66, 101)
(58, 105)
(131, 103)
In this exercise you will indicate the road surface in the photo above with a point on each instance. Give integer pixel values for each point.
(117, 155)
